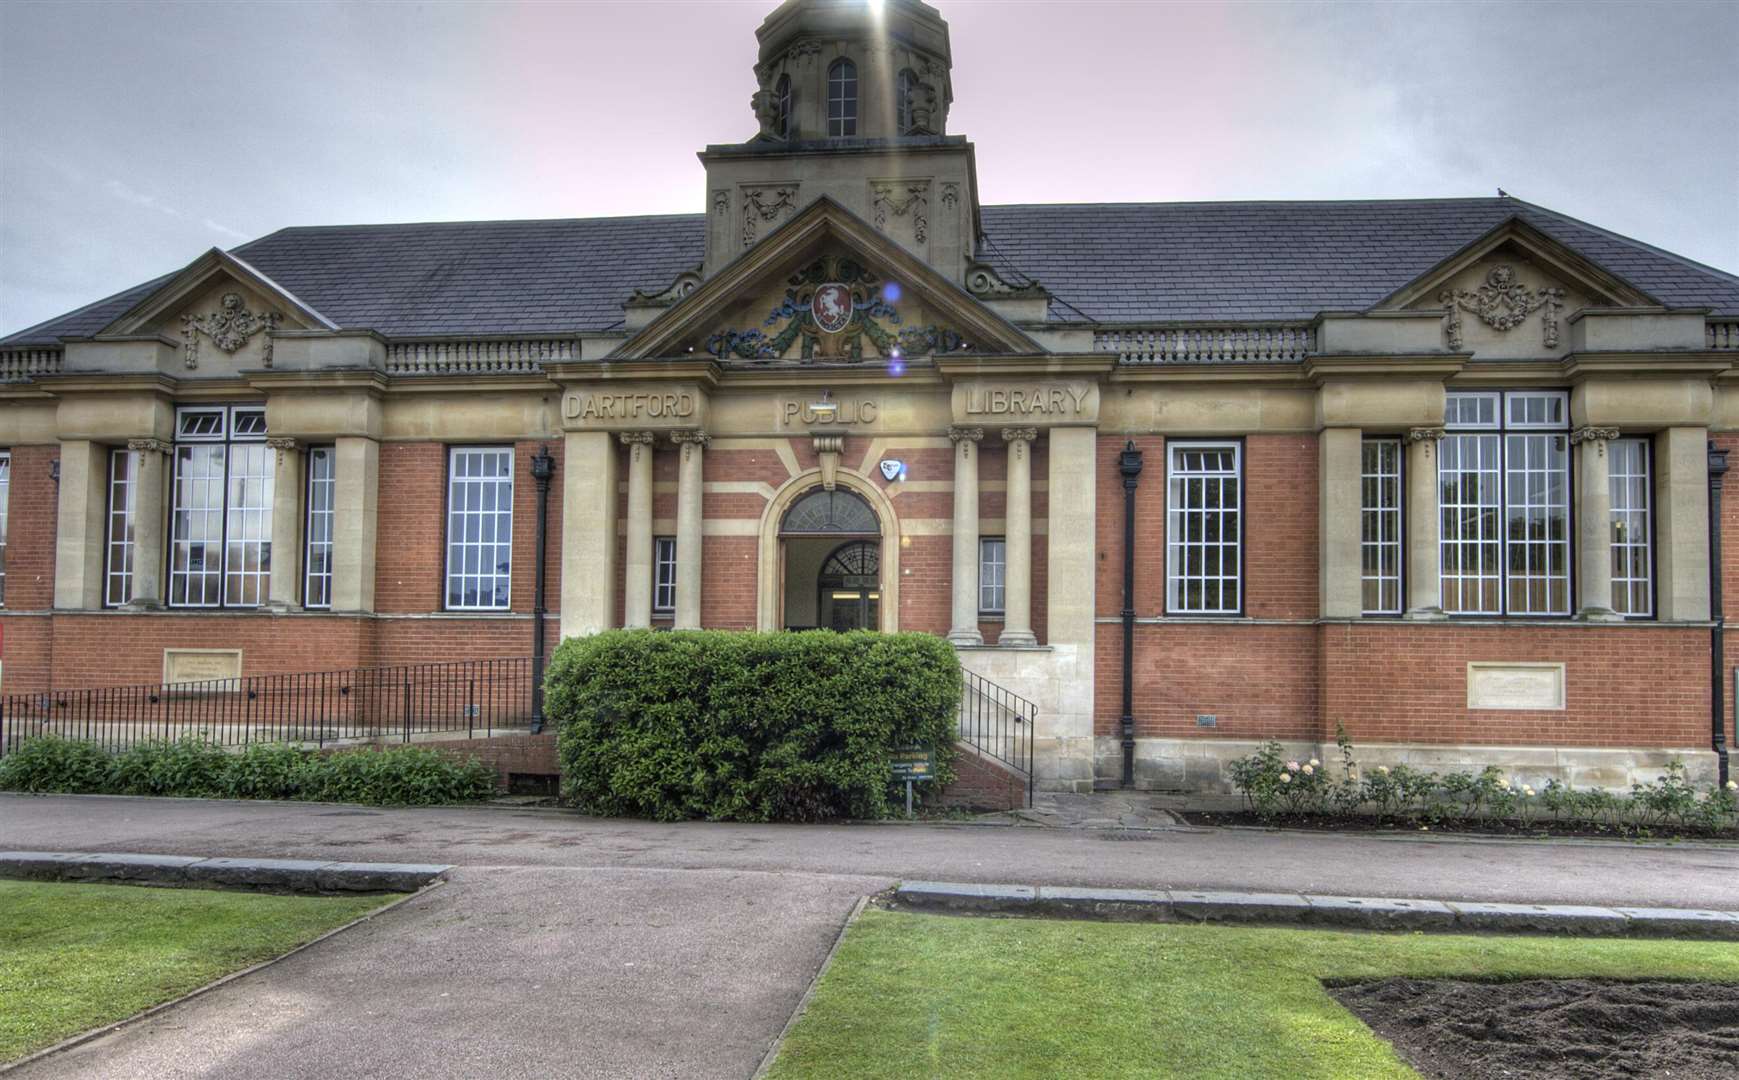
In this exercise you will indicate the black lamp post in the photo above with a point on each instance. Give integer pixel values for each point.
(1129, 464)
(1717, 618)
(542, 468)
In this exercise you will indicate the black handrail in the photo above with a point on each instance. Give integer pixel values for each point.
(311, 707)
(999, 724)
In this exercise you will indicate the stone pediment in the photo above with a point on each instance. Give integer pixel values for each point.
(1509, 294)
(826, 287)
(221, 311)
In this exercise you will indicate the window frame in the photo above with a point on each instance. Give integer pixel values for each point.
(903, 85)
(1001, 588)
(330, 453)
(782, 106)
(660, 544)
(1650, 527)
(226, 437)
(1504, 428)
(129, 547)
(1400, 543)
(848, 100)
(447, 527)
(1173, 606)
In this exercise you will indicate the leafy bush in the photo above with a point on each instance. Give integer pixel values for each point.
(744, 726)
(193, 767)
(1275, 787)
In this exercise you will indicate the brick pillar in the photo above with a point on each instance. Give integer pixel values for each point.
(1424, 574)
(691, 471)
(637, 604)
(1017, 616)
(964, 620)
(1594, 523)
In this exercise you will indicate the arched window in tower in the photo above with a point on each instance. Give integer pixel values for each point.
(903, 87)
(842, 99)
(782, 107)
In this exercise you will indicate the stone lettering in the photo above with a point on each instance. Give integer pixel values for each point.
(848, 412)
(588, 406)
(1039, 400)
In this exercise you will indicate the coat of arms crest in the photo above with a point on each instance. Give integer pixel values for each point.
(832, 307)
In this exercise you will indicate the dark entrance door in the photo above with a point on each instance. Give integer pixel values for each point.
(850, 587)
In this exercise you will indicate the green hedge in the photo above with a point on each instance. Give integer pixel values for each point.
(743, 726)
(193, 767)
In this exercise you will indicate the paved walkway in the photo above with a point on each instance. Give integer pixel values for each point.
(572, 946)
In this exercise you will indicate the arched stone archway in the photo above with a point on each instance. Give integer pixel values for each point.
(770, 562)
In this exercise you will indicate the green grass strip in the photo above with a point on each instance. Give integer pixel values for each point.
(75, 957)
(922, 995)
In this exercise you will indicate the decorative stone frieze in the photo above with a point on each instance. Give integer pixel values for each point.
(229, 328)
(765, 206)
(1503, 303)
(899, 199)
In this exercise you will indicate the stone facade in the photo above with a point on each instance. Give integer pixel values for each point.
(846, 326)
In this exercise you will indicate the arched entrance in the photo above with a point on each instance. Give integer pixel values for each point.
(830, 551)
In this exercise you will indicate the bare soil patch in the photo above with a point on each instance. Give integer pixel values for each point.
(1554, 1029)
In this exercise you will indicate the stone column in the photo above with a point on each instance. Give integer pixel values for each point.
(355, 522)
(589, 548)
(1594, 523)
(637, 604)
(78, 549)
(690, 473)
(285, 586)
(965, 608)
(1340, 453)
(150, 489)
(1424, 575)
(1017, 612)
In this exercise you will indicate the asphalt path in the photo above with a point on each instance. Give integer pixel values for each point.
(567, 946)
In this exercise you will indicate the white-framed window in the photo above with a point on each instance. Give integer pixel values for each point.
(479, 528)
(1380, 547)
(903, 86)
(123, 514)
(5, 500)
(1504, 500)
(842, 98)
(220, 540)
(992, 574)
(317, 556)
(782, 107)
(1628, 461)
(1204, 536)
(664, 574)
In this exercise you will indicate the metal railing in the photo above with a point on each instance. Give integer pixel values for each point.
(478, 697)
(999, 724)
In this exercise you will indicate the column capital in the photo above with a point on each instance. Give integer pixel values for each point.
(695, 436)
(636, 438)
(283, 444)
(1422, 434)
(1019, 434)
(1599, 436)
(965, 434)
(160, 446)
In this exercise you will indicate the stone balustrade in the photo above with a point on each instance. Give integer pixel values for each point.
(1207, 344)
(1722, 333)
(504, 356)
(17, 365)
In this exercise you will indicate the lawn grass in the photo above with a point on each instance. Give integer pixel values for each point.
(924, 995)
(74, 957)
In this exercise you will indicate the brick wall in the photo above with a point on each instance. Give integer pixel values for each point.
(33, 507)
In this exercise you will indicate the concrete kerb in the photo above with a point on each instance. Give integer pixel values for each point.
(272, 875)
(1299, 909)
(809, 992)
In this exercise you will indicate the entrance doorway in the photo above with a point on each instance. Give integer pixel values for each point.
(830, 552)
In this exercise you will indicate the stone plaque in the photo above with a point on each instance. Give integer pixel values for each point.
(201, 665)
(1493, 685)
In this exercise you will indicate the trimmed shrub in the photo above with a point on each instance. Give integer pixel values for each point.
(192, 767)
(743, 726)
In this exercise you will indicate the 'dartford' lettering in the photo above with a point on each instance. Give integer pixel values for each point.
(676, 405)
(1025, 401)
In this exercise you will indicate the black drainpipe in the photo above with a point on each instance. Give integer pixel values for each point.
(1717, 617)
(542, 468)
(1129, 464)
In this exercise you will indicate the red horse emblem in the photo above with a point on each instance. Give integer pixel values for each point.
(832, 307)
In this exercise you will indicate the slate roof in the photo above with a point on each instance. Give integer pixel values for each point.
(1128, 262)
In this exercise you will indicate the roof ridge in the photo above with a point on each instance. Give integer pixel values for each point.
(473, 221)
(1255, 202)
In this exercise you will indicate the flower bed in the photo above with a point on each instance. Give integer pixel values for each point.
(1278, 789)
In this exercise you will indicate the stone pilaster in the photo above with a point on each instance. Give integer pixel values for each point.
(284, 591)
(150, 489)
(964, 618)
(1594, 523)
(1340, 453)
(589, 549)
(1017, 613)
(355, 521)
(690, 475)
(1682, 523)
(78, 558)
(637, 603)
(1424, 574)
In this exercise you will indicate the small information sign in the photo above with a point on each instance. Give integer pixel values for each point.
(912, 763)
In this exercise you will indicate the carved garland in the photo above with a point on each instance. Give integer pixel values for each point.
(756, 205)
(229, 328)
(1503, 303)
(916, 201)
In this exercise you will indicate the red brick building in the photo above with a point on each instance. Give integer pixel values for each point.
(1433, 470)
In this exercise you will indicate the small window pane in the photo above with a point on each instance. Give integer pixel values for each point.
(1632, 528)
(992, 574)
(1203, 534)
(842, 99)
(664, 575)
(123, 485)
(317, 559)
(480, 528)
(1380, 526)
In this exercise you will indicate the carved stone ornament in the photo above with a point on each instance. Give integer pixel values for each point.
(1019, 434)
(638, 441)
(1503, 303)
(827, 451)
(1599, 436)
(229, 328)
(150, 446)
(966, 434)
(950, 194)
(684, 283)
(283, 444)
(765, 204)
(690, 438)
(1425, 434)
(983, 280)
(899, 199)
(722, 201)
